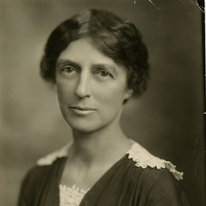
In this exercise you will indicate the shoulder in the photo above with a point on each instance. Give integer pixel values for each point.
(160, 188)
(30, 185)
(143, 159)
(155, 179)
(47, 162)
(43, 166)
(45, 170)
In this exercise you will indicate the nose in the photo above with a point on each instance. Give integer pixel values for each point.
(83, 86)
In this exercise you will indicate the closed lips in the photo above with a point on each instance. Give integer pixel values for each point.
(82, 108)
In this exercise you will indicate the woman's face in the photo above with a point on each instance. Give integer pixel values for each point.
(91, 87)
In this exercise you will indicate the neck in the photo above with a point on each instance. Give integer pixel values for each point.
(100, 145)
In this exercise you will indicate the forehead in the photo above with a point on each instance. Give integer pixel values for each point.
(82, 50)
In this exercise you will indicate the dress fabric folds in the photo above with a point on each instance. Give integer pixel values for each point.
(123, 184)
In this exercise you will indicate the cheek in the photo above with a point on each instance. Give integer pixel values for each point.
(110, 96)
(64, 93)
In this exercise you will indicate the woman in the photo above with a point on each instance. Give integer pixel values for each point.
(97, 62)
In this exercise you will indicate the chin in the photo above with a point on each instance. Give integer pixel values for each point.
(84, 127)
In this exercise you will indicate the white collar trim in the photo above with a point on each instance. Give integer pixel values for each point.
(144, 159)
(50, 158)
(137, 153)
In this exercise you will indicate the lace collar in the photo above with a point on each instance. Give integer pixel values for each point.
(137, 153)
(144, 159)
(50, 158)
(71, 196)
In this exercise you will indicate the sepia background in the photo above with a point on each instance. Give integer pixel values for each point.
(167, 119)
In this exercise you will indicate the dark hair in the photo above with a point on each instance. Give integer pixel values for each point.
(114, 37)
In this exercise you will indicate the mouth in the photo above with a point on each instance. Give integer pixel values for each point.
(82, 110)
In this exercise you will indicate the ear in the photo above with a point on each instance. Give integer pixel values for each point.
(128, 94)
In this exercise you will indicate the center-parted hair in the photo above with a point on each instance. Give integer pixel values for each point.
(116, 38)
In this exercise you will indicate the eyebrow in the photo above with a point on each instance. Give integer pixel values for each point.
(102, 65)
(67, 61)
(105, 66)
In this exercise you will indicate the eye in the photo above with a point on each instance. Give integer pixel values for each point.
(104, 73)
(68, 69)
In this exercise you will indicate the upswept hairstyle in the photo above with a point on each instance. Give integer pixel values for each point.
(114, 37)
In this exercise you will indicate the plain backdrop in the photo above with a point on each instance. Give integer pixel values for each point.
(167, 119)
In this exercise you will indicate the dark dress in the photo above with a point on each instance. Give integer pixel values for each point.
(124, 184)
